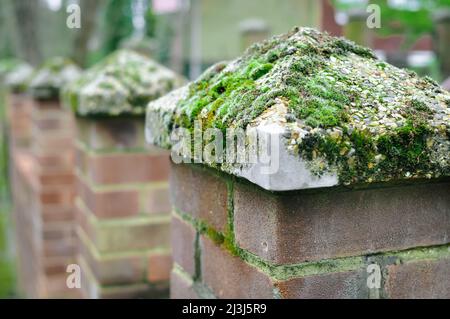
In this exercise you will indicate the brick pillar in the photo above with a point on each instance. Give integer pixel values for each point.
(18, 112)
(43, 194)
(123, 210)
(232, 239)
(43, 188)
(354, 208)
(18, 105)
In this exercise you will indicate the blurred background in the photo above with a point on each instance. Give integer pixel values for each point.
(190, 35)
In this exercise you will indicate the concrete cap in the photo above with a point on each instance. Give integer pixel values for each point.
(51, 76)
(18, 79)
(123, 83)
(8, 65)
(334, 113)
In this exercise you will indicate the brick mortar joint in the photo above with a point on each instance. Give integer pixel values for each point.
(324, 266)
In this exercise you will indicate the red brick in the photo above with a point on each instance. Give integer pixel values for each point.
(54, 162)
(198, 192)
(183, 245)
(304, 226)
(57, 197)
(109, 204)
(230, 277)
(18, 114)
(123, 168)
(341, 285)
(57, 178)
(58, 265)
(419, 280)
(159, 267)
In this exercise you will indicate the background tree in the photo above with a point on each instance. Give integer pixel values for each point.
(83, 35)
(117, 23)
(412, 19)
(26, 25)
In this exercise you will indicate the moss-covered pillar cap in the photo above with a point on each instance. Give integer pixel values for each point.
(7, 66)
(51, 76)
(18, 80)
(334, 115)
(122, 84)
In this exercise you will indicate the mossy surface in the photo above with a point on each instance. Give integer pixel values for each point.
(7, 66)
(18, 80)
(347, 113)
(51, 76)
(123, 83)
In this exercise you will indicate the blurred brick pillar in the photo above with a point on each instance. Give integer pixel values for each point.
(18, 112)
(123, 210)
(43, 184)
(43, 193)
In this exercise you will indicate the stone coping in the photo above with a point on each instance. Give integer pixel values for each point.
(51, 76)
(18, 80)
(8, 65)
(340, 116)
(123, 83)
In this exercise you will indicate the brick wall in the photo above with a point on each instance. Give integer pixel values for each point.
(123, 210)
(231, 239)
(43, 197)
(18, 109)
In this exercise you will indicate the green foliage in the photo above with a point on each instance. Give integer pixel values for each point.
(6, 269)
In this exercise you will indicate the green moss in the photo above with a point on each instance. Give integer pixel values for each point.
(234, 98)
(419, 106)
(406, 150)
(214, 235)
(260, 70)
